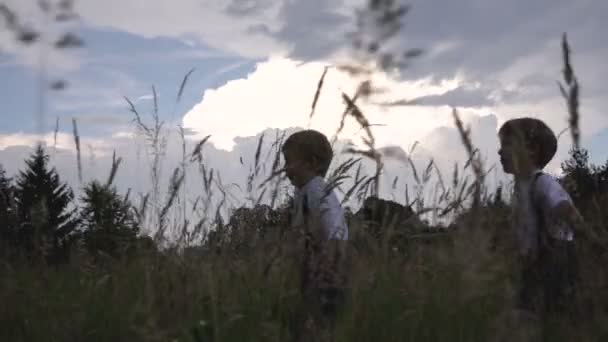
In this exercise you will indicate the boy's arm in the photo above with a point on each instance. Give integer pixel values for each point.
(565, 211)
(562, 209)
(558, 202)
(329, 230)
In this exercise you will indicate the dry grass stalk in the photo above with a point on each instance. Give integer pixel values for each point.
(197, 152)
(276, 167)
(114, 169)
(258, 201)
(353, 110)
(184, 173)
(78, 156)
(318, 93)
(254, 170)
(570, 91)
(155, 102)
(174, 185)
(272, 176)
(356, 185)
(377, 26)
(141, 212)
(156, 142)
(474, 159)
(440, 178)
(182, 86)
(370, 141)
(345, 114)
(55, 132)
(258, 152)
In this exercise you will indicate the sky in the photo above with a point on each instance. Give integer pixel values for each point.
(256, 67)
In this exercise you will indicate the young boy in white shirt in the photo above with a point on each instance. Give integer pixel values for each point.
(545, 218)
(317, 213)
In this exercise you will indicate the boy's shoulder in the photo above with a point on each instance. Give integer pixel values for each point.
(544, 181)
(312, 187)
(318, 193)
(317, 185)
(549, 189)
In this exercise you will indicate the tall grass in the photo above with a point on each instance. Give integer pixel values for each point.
(448, 287)
(453, 285)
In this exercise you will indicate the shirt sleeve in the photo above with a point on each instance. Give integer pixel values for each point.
(551, 192)
(326, 208)
(332, 218)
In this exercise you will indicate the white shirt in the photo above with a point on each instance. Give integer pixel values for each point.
(312, 203)
(547, 194)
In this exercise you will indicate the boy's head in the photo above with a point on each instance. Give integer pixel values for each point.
(526, 144)
(307, 154)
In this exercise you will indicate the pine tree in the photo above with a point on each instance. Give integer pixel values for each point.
(7, 211)
(43, 202)
(579, 177)
(5, 197)
(108, 219)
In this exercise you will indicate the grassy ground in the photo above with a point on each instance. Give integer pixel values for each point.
(456, 288)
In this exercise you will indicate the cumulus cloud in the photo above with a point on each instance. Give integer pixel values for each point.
(279, 94)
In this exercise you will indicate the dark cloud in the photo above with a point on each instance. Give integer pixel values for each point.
(511, 49)
(465, 96)
(314, 28)
(240, 8)
(491, 35)
(468, 35)
(482, 95)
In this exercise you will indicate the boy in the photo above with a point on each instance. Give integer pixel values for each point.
(318, 213)
(545, 220)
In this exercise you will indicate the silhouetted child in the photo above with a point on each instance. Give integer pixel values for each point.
(545, 218)
(317, 213)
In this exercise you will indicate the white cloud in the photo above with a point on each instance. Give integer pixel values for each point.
(279, 94)
(61, 141)
(145, 98)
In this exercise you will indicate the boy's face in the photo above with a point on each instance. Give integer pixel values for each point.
(298, 170)
(515, 157)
